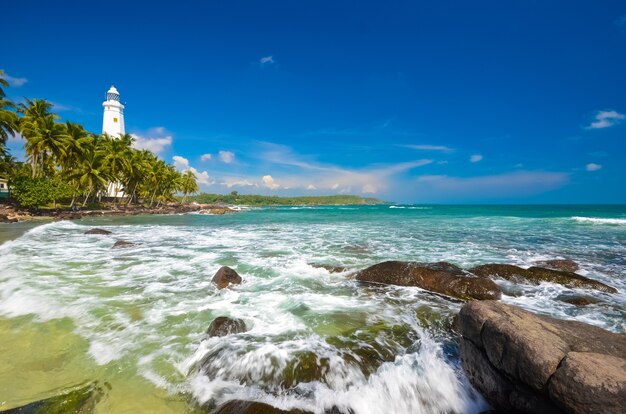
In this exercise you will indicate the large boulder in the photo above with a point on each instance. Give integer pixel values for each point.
(522, 362)
(97, 231)
(226, 276)
(441, 277)
(537, 275)
(222, 326)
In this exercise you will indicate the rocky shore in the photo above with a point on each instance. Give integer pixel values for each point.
(12, 214)
(519, 361)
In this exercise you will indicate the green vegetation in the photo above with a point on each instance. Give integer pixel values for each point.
(259, 200)
(67, 163)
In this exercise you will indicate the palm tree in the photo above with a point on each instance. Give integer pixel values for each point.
(117, 156)
(46, 142)
(37, 126)
(188, 184)
(89, 174)
(8, 118)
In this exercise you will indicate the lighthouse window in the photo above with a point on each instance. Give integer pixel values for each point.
(114, 119)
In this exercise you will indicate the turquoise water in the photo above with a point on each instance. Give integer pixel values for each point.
(135, 318)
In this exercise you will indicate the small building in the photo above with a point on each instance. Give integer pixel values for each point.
(4, 188)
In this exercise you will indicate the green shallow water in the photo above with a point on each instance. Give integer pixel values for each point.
(73, 310)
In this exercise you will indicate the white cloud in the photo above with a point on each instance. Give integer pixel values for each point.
(426, 147)
(606, 119)
(155, 139)
(202, 177)
(593, 166)
(13, 81)
(238, 182)
(227, 157)
(181, 163)
(270, 183)
(267, 60)
(206, 157)
(331, 177)
(476, 158)
(311, 187)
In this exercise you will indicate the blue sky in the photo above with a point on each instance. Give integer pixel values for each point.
(410, 101)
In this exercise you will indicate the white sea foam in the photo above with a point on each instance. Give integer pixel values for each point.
(597, 220)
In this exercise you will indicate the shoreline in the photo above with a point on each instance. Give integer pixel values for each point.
(13, 214)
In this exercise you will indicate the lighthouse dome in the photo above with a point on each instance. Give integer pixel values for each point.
(113, 94)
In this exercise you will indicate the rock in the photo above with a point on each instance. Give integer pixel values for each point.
(226, 276)
(222, 326)
(121, 244)
(253, 407)
(537, 275)
(566, 265)
(442, 277)
(81, 399)
(579, 300)
(97, 231)
(330, 268)
(530, 363)
(5, 219)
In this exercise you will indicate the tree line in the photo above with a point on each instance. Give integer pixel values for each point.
(65, 162)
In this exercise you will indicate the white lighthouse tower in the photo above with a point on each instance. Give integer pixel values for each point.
(113, 119)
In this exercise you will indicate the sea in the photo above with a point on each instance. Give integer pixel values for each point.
(73, 310)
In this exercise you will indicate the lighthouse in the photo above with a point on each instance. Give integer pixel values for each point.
(113, 119)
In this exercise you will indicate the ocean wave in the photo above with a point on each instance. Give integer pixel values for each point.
(597, 220)
(412, 207)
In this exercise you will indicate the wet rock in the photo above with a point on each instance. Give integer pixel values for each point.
(579, 300)
(254, 407)
(566, 265)
(222, 326)
(522, 362)
(81, 399)
(304, 367)
(121, 244)
(226, 276)
(442, 277)
(330, 268)
(97, 231)
(537, 275)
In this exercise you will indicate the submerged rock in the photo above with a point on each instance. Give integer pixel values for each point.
(537, 275)
(253, 407)
(226, 276)
(97, 231)
(442, 277)
(566, 265)
(330, 268)
(579, 300)
(81, 399)
(522, 362)
(121, 244)
(222, 326)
